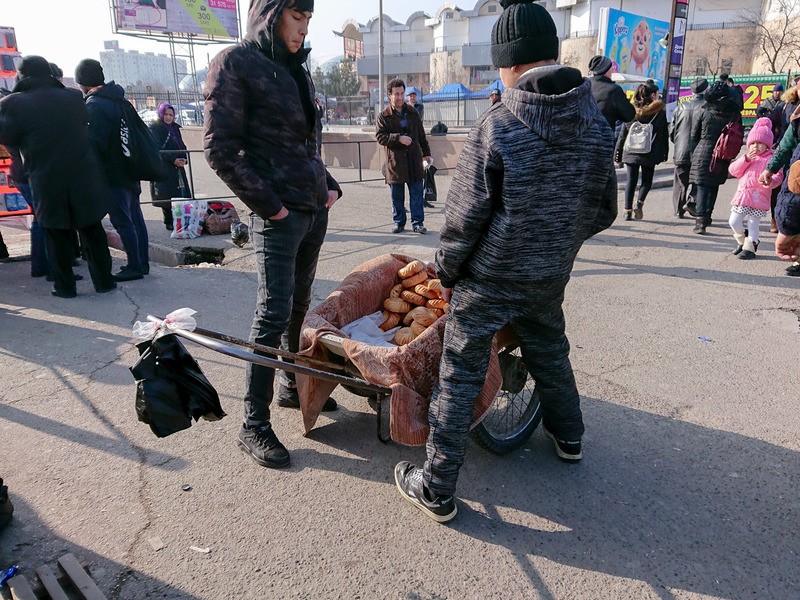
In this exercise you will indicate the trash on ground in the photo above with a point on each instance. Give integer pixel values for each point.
(201, 550)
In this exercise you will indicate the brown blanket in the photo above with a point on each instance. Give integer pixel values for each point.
(410, 371)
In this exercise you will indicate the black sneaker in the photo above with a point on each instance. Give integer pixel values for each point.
(289, 398)
(427, 204)
(128, 274)
(63, 293)
(408, 478)
(398, 228)
(263, 446)
(793, 270)
(566, 451)
(105, 289)
(420, 229)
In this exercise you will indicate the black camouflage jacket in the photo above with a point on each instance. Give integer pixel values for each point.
(260, 125)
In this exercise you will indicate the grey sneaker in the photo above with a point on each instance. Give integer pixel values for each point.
(263, 446)
(568, 451)
(420, 229)
(408, 478)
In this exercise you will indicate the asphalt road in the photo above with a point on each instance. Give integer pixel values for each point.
(685, 356)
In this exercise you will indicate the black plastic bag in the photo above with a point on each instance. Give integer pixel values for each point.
(171, 390)
(429, 184)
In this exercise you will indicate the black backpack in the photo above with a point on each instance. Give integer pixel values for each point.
(140, 151)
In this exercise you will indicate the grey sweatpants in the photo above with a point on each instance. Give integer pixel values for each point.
(478, 310)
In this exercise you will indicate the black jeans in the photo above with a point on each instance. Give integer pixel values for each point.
(633, 179)
(706, 198)
(478, 310)
(60, 249)
(286, 256)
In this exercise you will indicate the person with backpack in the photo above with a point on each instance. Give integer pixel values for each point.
(642, 144)
(47, 124)
(710, 170)
(104, 103)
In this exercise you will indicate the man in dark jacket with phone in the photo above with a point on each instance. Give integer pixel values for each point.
(261, 139)
(124, 210)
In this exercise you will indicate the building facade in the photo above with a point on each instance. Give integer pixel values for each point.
(132, 68)
(453, 45)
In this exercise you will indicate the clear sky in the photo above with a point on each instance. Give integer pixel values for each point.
(66, 31)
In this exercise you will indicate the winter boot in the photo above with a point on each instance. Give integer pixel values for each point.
(740, 238)
(691, 208)
(748, 249)
(628, 214)
(699, 226)
(638, 213)
(793, 270)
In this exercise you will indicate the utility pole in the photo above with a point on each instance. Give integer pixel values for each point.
(380, 55)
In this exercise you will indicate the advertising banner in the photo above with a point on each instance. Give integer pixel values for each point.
(756, 89)
(631, 41)
(212, 18)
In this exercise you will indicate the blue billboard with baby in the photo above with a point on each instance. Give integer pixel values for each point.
(632, 42)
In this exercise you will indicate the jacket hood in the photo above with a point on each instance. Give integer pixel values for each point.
(650, 111)
(110, 90)
(554, 102)
(790, 96)
(262, 22)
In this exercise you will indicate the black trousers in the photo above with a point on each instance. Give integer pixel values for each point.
(681, 187)
(633, 179)
(61, 249)
(706, 199)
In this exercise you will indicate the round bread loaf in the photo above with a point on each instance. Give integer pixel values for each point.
(425, 317)
(404, 335)
(411, 268)
(413, 298)
(390, 320)
(418, 278)
(395, 291)
(417, 328)
(396, 305)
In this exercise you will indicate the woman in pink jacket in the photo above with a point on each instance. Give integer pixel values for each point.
(751, 202)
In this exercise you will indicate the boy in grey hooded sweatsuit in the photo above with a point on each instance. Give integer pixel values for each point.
(535, 180)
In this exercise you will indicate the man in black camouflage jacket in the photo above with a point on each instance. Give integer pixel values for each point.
(535, 180)
(260, 138)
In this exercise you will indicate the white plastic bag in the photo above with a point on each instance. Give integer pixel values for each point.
(188, 217)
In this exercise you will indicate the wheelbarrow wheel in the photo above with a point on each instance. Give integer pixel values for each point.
(516, 410)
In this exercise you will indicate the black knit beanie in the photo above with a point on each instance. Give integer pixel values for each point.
(33, 66)
(524, 33)
(89, 72)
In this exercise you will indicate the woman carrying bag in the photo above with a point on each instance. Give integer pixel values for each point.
(648, 146)
(167, 135)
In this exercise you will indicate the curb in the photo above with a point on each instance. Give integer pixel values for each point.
(163, 255)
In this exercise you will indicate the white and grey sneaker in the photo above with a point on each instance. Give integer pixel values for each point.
(408, 478)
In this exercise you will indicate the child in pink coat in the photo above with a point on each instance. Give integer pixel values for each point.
(751, 202)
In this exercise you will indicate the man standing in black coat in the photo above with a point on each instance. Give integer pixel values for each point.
(609, 96)
(680, 133)
(103, 101)
(48, 125)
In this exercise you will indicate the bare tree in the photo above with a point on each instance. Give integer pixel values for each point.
(711, 57)
(776, 31)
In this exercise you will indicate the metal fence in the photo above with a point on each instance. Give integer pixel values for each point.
(187, 113)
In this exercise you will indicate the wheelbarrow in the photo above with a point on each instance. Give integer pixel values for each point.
(509, 422)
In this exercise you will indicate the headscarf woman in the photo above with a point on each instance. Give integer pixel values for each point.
(167, 135)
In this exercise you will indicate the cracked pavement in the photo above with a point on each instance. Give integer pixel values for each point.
(687, 489)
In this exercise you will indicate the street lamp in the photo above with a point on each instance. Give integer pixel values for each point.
(380, 54)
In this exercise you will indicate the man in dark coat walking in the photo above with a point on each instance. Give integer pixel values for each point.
(400, 130)
(124, 210)
(609, 96)
(680, 134)
(47, 123)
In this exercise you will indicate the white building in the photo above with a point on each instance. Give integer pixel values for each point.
(129, 67)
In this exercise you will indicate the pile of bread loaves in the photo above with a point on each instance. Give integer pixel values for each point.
(416, 302)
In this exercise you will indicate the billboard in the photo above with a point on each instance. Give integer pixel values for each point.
(205, 18)
(757, 88)
(631, 41)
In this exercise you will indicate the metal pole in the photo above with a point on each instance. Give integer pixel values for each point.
(380, 55)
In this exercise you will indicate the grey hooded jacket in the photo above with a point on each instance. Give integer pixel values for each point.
(534, 181)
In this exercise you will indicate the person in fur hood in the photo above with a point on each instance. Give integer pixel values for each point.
(653, 111)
